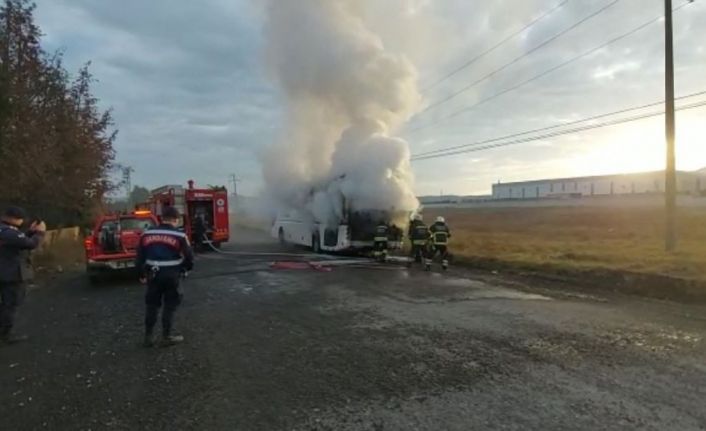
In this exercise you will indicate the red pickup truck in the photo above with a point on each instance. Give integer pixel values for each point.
(112, 244)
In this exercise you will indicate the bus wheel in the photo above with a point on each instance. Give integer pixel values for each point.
(316, 244)
(280, 236)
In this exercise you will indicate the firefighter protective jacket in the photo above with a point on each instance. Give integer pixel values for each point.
(440, 233)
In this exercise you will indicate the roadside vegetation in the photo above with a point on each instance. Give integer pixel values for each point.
(56, 144)
(625, 239)
(61, 251)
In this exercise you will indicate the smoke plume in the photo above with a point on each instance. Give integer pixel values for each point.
(345, 96)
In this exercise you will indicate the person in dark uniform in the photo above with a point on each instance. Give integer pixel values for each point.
(419, 237)
(163, 257)
(440, 234)
(199, 231)
(15, 267)
(380, 240)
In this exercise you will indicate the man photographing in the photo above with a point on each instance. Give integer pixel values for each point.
(15, 267)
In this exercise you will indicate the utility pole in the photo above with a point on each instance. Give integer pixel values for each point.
(127, 179)
(234, 180)
(670, 191)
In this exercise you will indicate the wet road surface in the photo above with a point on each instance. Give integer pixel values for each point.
(362, 347)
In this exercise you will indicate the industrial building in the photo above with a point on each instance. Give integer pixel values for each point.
(689, 183)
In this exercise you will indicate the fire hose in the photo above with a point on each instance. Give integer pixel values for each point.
(331, 262)
(248, 253)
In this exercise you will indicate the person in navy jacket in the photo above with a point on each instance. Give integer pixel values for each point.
(164, 255)
(15, 267)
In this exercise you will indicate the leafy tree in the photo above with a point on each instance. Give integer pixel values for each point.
(56, 145)
(139, 195)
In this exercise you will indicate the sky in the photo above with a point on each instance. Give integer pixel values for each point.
(192, 95)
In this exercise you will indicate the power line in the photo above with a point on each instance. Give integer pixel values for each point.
(517, 59)
(556, 126)
(559, 133)
(545, 73)
(494, 47)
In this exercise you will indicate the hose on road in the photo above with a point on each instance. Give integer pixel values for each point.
(262, 254)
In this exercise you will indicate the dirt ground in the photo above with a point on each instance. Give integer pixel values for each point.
(362, 347)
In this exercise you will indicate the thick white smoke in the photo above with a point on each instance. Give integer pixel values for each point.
(345, 97)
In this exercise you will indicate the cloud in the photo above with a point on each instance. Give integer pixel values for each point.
(635, 66)
(185, 80)
(192, 96)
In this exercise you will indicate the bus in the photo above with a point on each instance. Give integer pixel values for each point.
(354, 233)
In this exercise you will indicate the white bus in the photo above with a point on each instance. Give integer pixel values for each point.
(354, 233)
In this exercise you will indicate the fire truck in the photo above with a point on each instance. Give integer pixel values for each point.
(111, 246)
(211, 205)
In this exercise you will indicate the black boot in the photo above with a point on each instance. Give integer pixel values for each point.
(149, 340)
(171, 340)
(7, 337)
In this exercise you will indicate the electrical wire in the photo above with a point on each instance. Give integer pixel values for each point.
(559, 133)
(517, 59)
(545, 73)
(556, 126)
(494, 47)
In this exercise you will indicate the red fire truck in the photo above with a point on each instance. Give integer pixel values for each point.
(211, 205)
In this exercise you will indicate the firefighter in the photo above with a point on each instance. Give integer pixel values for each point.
(380, 241)
(439, 238)
(15, 267)
(418, 236)
(199, 231)
(164, 255)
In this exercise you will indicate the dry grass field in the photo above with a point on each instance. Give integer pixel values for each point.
(61, 250)
(629, 239)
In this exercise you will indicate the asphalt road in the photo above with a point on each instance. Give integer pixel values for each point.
(362, 347)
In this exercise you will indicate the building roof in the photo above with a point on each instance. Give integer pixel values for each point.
(591, 178)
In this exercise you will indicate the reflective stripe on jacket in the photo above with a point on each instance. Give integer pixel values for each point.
(164, 247)
(440, 233)
(381, 233)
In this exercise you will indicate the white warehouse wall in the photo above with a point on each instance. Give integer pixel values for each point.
(639, 183)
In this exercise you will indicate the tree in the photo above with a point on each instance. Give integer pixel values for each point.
(138, 195)
(56, 146)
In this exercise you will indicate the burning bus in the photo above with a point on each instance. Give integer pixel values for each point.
(351, 230)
